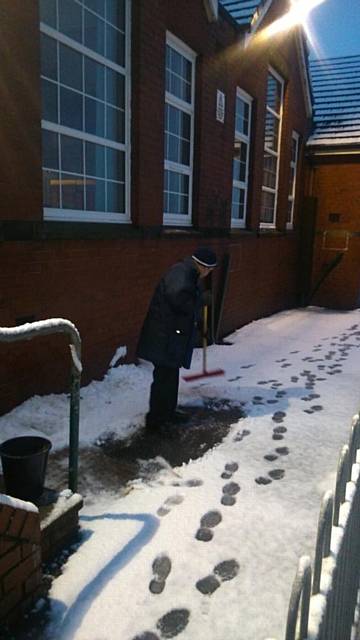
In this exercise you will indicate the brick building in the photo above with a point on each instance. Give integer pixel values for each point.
(131, 132)
(334, 182)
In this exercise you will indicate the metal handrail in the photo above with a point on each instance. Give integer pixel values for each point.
(323, 539)
(301, 589)
(354, 443)
(342, 477)
(47, 327)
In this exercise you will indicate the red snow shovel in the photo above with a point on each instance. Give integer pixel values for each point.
(204, 373)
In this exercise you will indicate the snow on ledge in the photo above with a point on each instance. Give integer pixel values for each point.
(16, 503)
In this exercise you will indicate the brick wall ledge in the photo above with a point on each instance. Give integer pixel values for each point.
(38, 231)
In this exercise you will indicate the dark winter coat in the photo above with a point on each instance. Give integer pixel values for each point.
(168, 334)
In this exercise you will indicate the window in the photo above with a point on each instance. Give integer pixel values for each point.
(241, 158)
(85, 116)
(292, 181)
(179, 132)
(274, 101)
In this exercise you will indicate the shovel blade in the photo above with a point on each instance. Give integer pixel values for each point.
(203, 374)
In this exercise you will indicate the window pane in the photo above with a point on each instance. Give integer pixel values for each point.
(267, 207)
(178, 75)
(172, 119)
(51, 189)
(273, 97)
(240, 161)
(270, 164)
(48, 12)
(115, 164)
(94, 33)
(115, 13)
(115, 45)
(94, 78)
(95, 117)
(176, 196)
(271, 131)
(242, 116)
(50, 149)
(238, 200)
(185, 131)
(70, 19)
(48, 57)
(70, 67)
(115, 197)
(71, 154)
(71, 114)
(72, 191)
(185, 153)
(96, 5)
(94, 194)
(94, 159)
(115, 124)
(115, 88)
(49, 94)
(173, 149)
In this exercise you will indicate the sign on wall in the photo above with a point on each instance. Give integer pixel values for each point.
(220, 106)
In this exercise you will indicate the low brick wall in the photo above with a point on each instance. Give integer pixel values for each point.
(20, 557)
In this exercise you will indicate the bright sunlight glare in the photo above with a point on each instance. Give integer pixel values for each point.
(297, 15)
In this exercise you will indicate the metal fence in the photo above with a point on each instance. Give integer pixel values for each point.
(323, 602)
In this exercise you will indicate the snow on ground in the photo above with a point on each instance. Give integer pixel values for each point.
(298, 375)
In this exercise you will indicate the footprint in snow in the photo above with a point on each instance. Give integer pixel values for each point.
(229, 491)
(208, 521)
(173, 622)
(226, 570)
(279, 430)
(271, 457)
(161, 568)
(169, 503)
(279, 416)
(275, 474)
(192, 482)
(241, 434)
(230, 468)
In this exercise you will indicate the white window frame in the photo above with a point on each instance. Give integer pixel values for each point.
(276, 154)
(293, 165)
(241, 137)
(82, 215)
(189, 54)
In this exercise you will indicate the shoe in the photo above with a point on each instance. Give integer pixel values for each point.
(179, 416)
(157, 425)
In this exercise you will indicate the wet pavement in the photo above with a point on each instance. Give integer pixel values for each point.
(112, 463)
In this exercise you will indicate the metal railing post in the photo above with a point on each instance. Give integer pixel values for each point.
(323, 539)
(342, 477)
(301, 590)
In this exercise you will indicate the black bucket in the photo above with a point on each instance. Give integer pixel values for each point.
(24, 461)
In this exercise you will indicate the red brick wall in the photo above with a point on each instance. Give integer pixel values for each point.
(20, 135)
(336, 185)
(20, 561)
(104, 285)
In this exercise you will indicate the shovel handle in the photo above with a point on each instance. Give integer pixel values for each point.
(205, 326)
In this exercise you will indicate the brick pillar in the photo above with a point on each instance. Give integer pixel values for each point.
(20, 557)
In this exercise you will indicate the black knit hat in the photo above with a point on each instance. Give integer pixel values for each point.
(205, 256)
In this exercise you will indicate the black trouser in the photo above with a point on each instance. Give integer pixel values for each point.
(163, 393)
